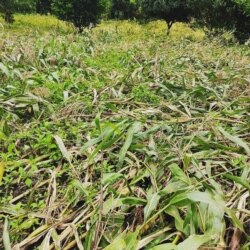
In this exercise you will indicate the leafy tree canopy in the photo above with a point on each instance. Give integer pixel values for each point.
(123, 9)
(80, 12)
(43, 6)
(226, 14)
(169, 10)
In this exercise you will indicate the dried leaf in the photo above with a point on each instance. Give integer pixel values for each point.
(235, 241)
(2, 166)
(63, 149)
(6, 237)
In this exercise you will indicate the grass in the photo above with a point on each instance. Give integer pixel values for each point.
(123, 138)
(35, 23)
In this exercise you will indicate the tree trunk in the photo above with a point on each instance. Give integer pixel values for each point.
(169, 26)
(8, 17)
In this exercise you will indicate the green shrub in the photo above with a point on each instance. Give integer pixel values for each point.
(142, 93)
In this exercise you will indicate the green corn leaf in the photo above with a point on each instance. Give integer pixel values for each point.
(194, 242)
(173, 211)
(237, 223)
(153, 201)
(239, 180)
(168, 246)
(107, 140)
(118, 244)
(235, 140)
(180, 198)
(111, 178)
(133, 201)
(131, 240)
(178, 173)
(111, 204)
(173, 187)
(4, 69)
(134, 129)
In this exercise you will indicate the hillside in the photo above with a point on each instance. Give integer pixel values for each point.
(123, 137)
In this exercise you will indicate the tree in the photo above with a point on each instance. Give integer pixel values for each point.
(169, 10)
(241, 18)
(104, 8)
(24, 6)
(7, 8)
(123, 9)
(80, 12)
(43, 6)
(223, 14)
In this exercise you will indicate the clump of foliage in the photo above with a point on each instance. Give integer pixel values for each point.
(142, 93)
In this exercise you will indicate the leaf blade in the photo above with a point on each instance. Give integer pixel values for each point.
(235, 140)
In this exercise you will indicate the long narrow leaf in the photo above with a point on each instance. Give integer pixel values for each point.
(239, 180)
(2, 166)
(6, 237)
(193, 242)
(153, 201)
(236, 140)
(135, 128)
(63, 149)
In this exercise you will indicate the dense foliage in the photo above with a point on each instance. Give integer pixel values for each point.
(169, 10)
(80, 12)
(43, 6)
(123, 9)
(225, 14)
(218, 14)
(25, 6)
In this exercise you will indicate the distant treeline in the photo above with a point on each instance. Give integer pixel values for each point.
(213, 14)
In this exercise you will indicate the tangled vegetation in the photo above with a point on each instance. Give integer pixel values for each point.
(123, 138)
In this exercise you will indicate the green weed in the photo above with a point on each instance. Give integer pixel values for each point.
(142, 93)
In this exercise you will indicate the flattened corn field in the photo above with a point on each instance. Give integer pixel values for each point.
(123, 138)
